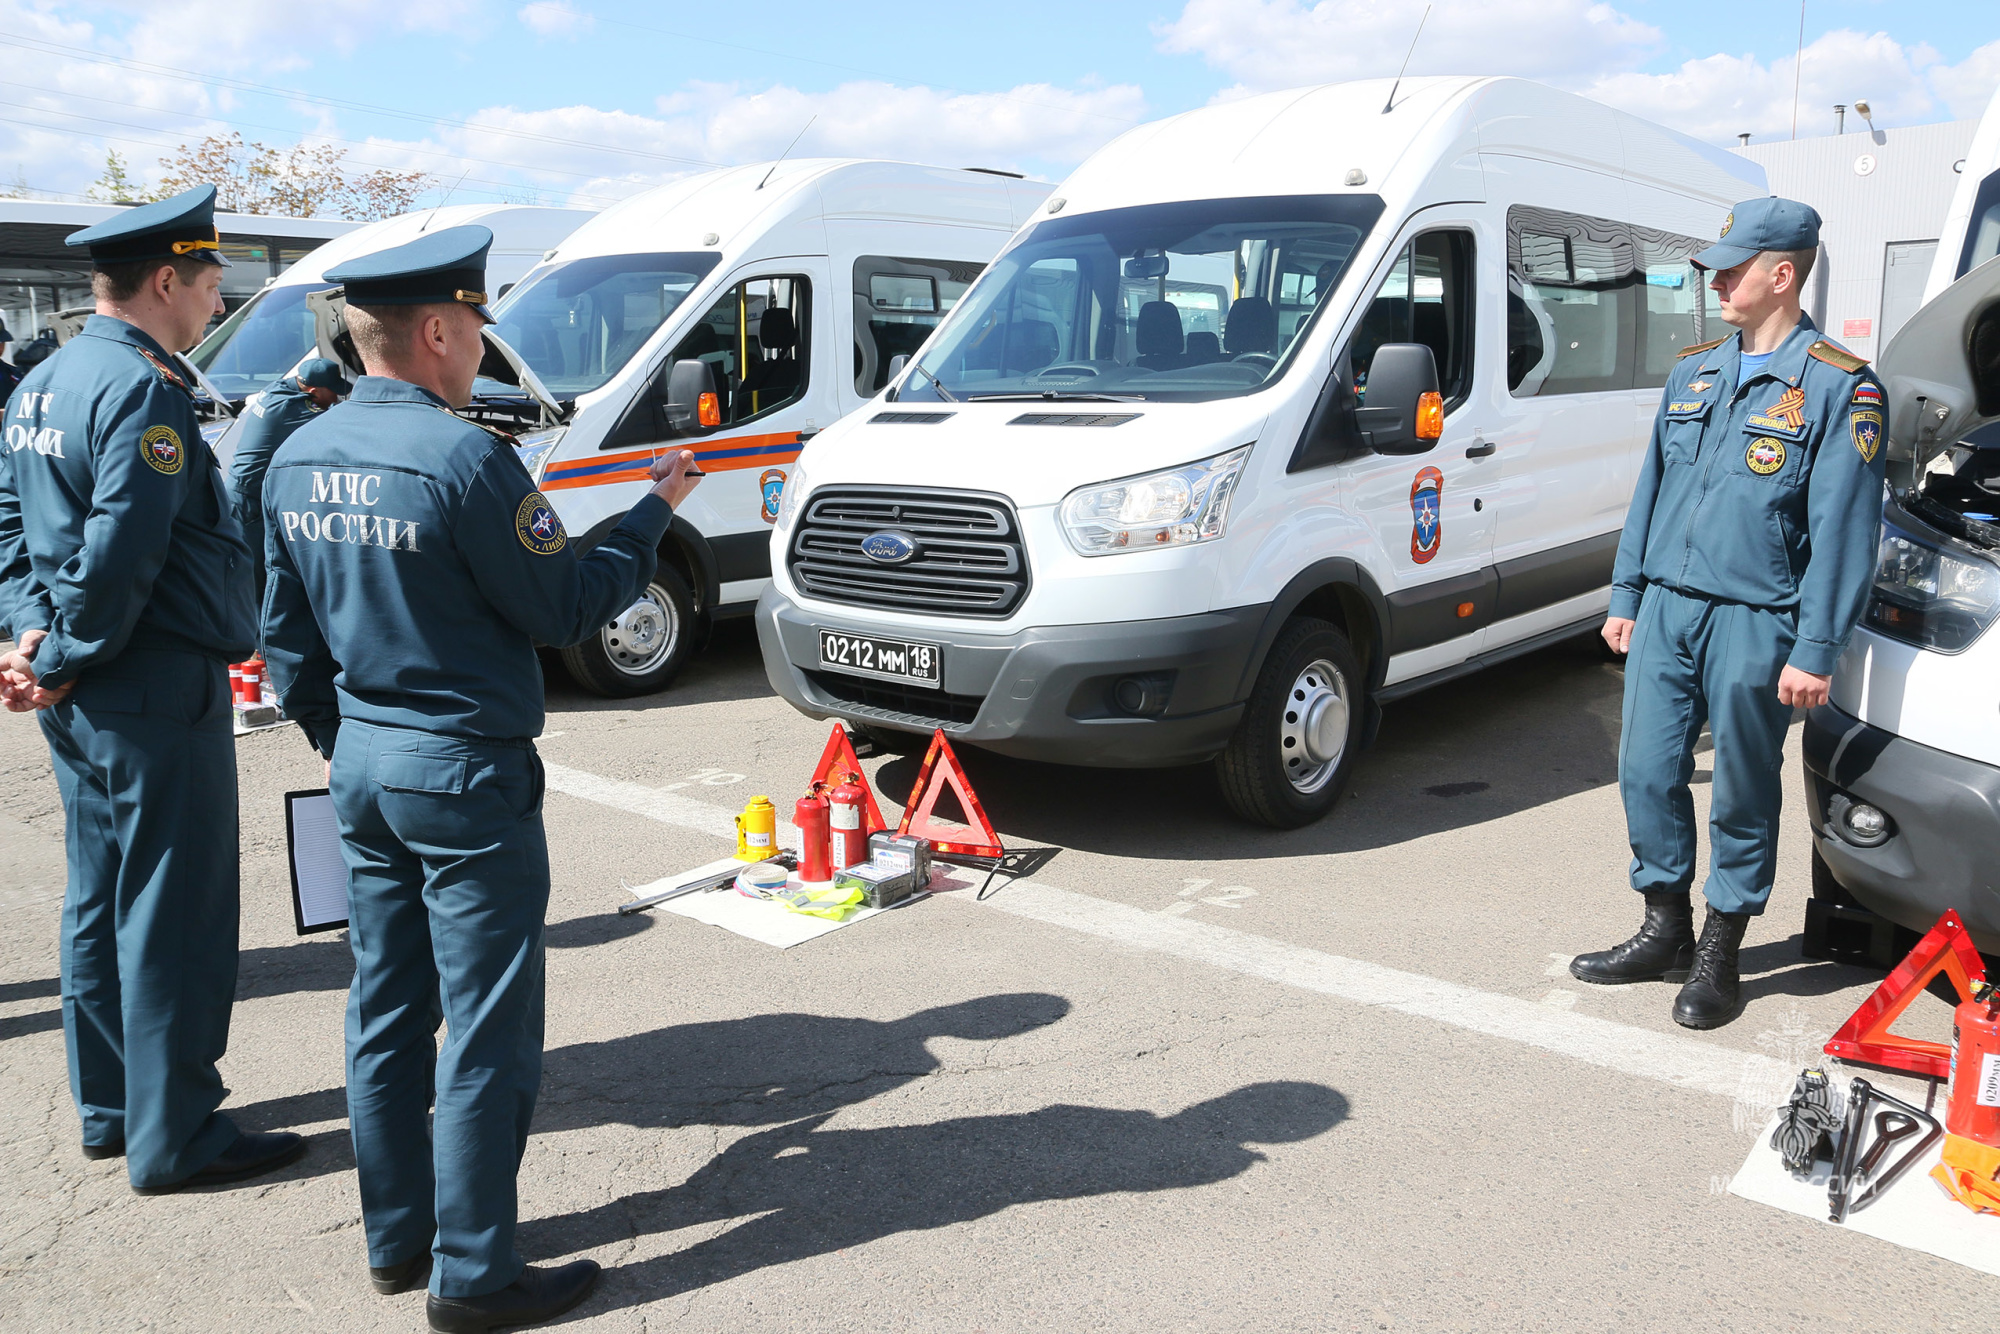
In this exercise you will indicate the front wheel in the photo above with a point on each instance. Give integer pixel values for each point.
(1290, 757)
(644, 647)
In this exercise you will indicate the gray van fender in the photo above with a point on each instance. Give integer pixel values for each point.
(1332, 575)
(696, 556)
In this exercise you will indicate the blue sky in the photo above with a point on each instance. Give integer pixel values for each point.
(590, 100)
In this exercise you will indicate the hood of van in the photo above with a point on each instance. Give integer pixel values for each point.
(1033, 452)
(1942, 369)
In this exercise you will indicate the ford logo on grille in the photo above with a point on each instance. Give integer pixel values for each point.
(887, 548)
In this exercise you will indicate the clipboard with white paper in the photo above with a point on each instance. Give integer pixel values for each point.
(319, 873)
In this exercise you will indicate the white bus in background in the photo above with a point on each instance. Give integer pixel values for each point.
(785, 290)
(264, 338)
(1280, 409)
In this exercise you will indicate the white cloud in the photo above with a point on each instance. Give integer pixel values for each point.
(1268, 44)
(548, 18)
(1968, 86)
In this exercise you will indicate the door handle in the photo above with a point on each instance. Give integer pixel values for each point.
(1479, 449)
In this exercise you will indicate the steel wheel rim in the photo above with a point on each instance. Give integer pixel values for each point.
(642, 636)
(1312, 727)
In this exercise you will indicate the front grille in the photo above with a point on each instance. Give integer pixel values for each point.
(901, 703)
(970, 560)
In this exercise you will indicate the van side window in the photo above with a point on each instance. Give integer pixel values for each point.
(1982, 229)
(1572, 332)
(1676, 308)
(897, 302)
(1425, 298)
(756, 340)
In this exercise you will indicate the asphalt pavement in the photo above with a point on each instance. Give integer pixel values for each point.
(1189, 1075)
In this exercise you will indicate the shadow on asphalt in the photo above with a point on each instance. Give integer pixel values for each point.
(821, 1190)
(766, 1068)
(312, 963)
(1511, 738)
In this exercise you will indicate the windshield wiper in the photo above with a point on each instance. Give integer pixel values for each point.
(1057, 396)
(936, 383)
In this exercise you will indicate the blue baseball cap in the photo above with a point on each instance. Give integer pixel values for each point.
(1757, 225)
(319, 373)
(182, 227)
(435, 269)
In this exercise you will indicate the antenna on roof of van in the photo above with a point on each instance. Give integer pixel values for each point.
(789, 147)
(1390, 105)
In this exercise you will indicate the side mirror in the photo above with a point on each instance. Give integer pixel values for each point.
(1402, 411)
(692, 406)
(896, 365)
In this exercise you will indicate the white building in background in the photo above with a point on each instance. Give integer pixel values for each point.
(40, 275)
(1883, 195)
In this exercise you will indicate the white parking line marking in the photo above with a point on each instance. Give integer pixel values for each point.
(1667, 1057)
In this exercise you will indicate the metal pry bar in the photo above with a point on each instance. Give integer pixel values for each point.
(707, 882)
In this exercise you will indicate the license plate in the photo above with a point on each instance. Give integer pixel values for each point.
(891, 659)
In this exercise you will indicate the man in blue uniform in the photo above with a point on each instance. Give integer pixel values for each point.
(128, 586)
(413, 568)
(1745, 563)
(268, 423)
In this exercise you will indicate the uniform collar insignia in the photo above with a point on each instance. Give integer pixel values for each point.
(1699, 386)
(167, 372)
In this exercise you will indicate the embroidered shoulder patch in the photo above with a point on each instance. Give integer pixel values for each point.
(1765, 456)
(1866, 428)
(540, 529)
(161, 449)
(1867, 394)
(1835, 355)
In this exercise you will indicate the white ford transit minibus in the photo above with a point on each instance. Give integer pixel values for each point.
(1278, 410)
(1903, 761)
(788, 288)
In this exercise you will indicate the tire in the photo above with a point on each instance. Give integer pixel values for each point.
(642, 650)
(1278, 769)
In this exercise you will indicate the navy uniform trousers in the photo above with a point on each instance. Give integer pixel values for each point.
(1693, 660)
(448, 881)
(145, 755)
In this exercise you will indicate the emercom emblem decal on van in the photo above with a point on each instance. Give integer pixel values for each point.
(771, 486)
(1426, 518)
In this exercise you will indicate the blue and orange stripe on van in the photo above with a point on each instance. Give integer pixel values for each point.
(726, 455)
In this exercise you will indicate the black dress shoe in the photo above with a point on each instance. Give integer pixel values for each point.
(112, 1149)
(538, 1295)
(392, 1279)
(253, 1154)
(1663, 951)
(1714, 995)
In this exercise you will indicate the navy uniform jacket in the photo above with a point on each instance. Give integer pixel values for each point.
(413, 567)
(114, 529)
(1768, 493)
(268, 423)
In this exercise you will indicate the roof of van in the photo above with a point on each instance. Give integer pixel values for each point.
(57, 213)
(1428, 148)
(732, 203)
(517, 228)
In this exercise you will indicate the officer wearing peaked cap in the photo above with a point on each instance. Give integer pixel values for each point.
(127, 584)
(1745, 563)
(413, 568)
(267, 423)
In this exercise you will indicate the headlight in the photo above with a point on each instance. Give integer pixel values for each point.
(788, 499)
(534, 449)
(1175, 508)
(1928, 596)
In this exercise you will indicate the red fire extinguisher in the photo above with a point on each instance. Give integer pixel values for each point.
(1974, 1109)
(810, 815)
(850, 840)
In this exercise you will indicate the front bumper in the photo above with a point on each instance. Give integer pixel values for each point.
(1944, 848)
(1045, 693)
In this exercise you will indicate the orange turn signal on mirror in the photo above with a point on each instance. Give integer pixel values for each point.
(1430, 416)
(708, 410)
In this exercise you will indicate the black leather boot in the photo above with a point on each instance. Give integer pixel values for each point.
(1713, 995)
(1663, 951)
(538, 1295)
(392, 1279)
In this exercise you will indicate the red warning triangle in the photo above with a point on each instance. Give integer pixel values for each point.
(1866, 1037)
(839, 765)
(931, 782)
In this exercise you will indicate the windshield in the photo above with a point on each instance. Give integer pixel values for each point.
(262, 341)
(1184, 301)
(577, 324)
